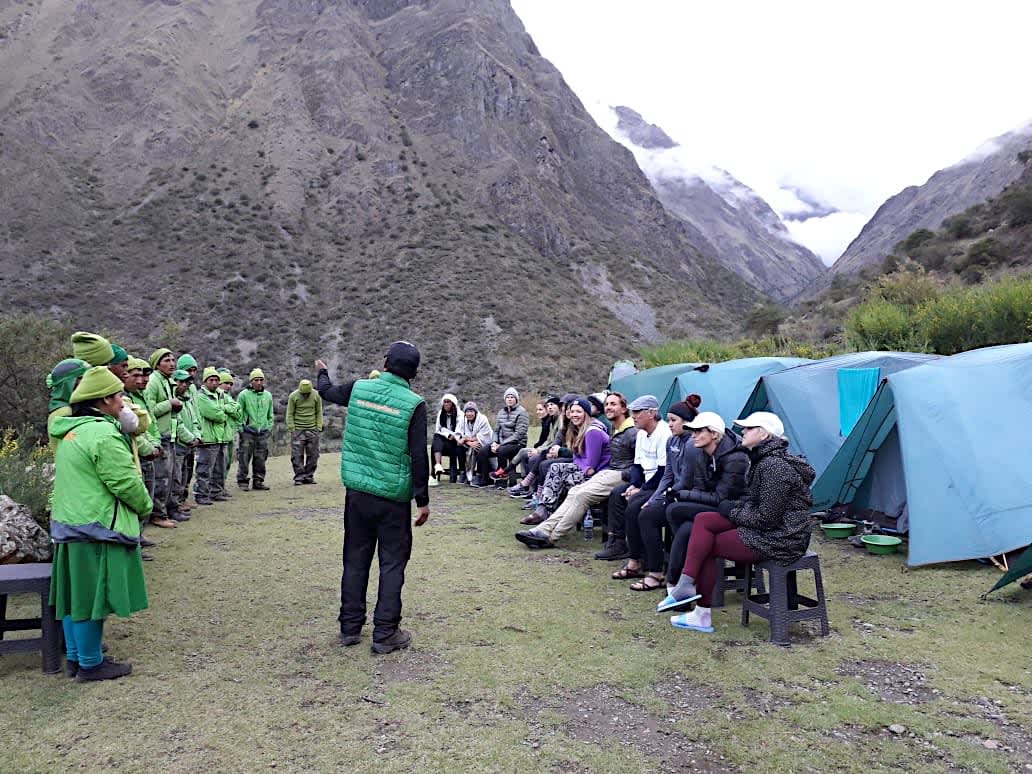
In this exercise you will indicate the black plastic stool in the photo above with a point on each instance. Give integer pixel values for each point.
(782, 605)
(30, 579)
(733, 579)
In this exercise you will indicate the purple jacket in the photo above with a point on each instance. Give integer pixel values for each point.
(595, 456)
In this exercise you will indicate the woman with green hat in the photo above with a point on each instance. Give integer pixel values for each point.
(97, 502)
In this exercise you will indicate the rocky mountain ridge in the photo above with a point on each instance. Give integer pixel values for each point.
(738, 227)
(272, 180)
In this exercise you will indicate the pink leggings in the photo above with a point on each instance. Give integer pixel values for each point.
(713, 536)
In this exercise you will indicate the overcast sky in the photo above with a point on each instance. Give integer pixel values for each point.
(848, 102)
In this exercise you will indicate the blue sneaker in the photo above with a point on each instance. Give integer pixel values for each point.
(677, 604)
(691, 621)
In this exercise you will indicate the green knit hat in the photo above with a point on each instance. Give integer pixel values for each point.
(256, 373)
(98, 382)
(210, 371)
(94, 349)
(226, 377)
(156, 356)
(119, 356)
(185, 361)
(61, 381)
(305, 386)
(138, 363)
(180, 375)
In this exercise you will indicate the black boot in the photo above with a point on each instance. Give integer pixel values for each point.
(616, 548)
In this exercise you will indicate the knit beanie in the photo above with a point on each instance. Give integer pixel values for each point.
(98, 382)
(598, 401)
(210, 371)
(374, 374)
(554, 399)
(94, 349)
(305, 386)
(511, 391)
(186, 361)
(585, 404)
(156, 356)
(61, 381)
(470, 406)
(138, 364)
(683, 409)
(181, 375)
(402, 360)
(119, 355)
(225, 377)
(256, 373)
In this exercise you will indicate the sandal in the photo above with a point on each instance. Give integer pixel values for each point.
(649, 583)
(627, 573)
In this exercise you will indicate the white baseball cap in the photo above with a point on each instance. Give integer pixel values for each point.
(709, 420)
(768, 421)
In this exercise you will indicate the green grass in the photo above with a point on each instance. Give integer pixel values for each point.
(521, 662)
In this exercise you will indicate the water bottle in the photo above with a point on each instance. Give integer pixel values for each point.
(588, 526)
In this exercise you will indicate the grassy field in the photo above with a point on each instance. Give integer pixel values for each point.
(521, 661)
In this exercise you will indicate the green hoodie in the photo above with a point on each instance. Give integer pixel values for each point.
(190, 415)
(255, 409)
(217, 426)
(159, 394)
(98, 493)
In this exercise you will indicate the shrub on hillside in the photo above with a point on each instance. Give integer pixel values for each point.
(691, 351)
(1018, 205)
(30, 346)
(962, 226)
(907, 288)
(27, 473)
(968, 318)
(880, 324)
(915, 240)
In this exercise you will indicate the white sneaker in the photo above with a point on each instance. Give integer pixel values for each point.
(432, 481)
(438, 469)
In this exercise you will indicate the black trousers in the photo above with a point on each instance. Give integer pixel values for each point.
(446, 447)
(373, 523)
(506, 452)
(623, 511)
(680, 516)
(645, 536)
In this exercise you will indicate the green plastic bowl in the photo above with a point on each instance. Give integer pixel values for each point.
(838, 530)
(881, 544)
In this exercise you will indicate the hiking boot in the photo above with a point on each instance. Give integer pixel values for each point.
(244, 486)
(161, 521)
(398, 641)
(534, 539)
(533, 518)
(347, 640)
(145, 543)
(478, 483)
(308, 481)
(105, 670)
(260, 487)
(223, 495)
(615, 549)
(205, 501)
(145, 557)
(179, 516)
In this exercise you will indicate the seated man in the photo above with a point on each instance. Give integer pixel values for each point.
(645, 474)
(473, 434)
(595, 489)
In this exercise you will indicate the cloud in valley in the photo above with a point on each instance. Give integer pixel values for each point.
(816, 106)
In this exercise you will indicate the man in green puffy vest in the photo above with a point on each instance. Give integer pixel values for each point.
(384, 466)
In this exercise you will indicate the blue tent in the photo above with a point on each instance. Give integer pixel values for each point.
(724, 387)
(655, 381)
(810, 399)
(944, 444)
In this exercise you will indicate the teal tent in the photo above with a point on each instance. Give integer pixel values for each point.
(1020, 568)
(655, 381)
(724, 387)
(807, 399)
(942, 444)
(620, 369)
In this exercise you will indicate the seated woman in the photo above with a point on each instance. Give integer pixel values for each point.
(555, 451)
(473, 434)
(544, 436)
(99, 498)
(644, 526)
(589, 443)
(771, 521)
(721, 465)
(445, 441)
(512, 424)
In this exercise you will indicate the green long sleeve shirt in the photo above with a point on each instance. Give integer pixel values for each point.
(304, 412)
(255, 409)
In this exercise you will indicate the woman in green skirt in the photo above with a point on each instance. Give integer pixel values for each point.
(99, 499)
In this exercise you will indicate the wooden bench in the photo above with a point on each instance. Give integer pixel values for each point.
(30, 579)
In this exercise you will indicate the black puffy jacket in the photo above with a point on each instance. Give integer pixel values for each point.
(720, 477)
(773, 518)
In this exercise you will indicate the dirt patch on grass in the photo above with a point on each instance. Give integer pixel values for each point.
(599, 716)
(411, 665)
(1010, 739)
(545, 557)
(892, 681)
(303, 514)
(684, 695)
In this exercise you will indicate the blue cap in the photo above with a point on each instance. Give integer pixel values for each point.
(644, 402)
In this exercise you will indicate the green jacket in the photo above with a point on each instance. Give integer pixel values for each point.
(190, 415)
(216, 424)
(158, 394)
(255, 409)
(98, 493)
(304, 412)
(375, 457)
(233, 413)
